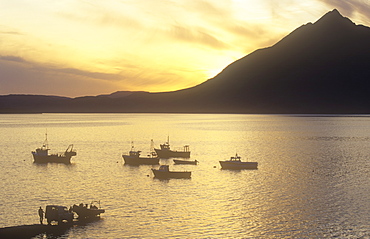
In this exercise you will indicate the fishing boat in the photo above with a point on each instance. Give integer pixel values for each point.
(134, 158)
(236, 163)
(166, 152)
(41, 155)
(85, 212)
(164, 173)
(179, 161)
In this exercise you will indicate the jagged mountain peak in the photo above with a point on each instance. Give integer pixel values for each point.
(332, 19)
(331, 30)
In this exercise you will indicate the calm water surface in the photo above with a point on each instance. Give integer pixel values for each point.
(312, 181)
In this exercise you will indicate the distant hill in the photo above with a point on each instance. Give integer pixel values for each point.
(322, 67)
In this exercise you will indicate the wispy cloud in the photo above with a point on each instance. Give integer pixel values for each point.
(99, 15)
(10, 32)
(21, 76)
(350, 7)
(196, 36)
(12, 58)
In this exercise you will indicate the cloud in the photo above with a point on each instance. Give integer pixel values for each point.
(5, 30)
(229, 21)
(100, 16)
(12, 58)
(10, 33)
(350, 7)
(20, 76)
(70, 71)
(196, 36)
(77, 72)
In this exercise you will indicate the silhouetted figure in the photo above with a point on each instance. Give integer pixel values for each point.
(41, 215)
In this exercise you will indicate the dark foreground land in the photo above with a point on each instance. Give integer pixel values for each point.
(28, 231)
(54, 231)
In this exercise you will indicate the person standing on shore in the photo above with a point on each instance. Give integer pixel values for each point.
(41, 215)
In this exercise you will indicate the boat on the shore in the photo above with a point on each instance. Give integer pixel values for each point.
(236, 163)
(179, 161)
(41, 155)
(164, 173)
(85, 212)
(134, 158)
(166, 152)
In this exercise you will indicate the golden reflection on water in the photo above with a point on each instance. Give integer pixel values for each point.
(312, 174)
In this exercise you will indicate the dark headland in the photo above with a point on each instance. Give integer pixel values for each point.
(321, 67)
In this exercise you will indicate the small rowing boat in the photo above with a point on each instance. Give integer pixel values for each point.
(178, 161)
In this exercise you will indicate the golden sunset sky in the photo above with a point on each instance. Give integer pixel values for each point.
(90, 47)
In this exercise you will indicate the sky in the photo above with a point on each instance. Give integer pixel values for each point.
(89, 47)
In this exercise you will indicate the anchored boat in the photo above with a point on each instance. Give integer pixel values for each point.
(166, 152)
(41, 155)
(164, 173)
(134, 158)
(236, 163)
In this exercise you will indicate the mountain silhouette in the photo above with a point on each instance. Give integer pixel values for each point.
(321, 67)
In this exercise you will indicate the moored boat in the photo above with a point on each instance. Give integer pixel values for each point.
(236, 163)
(41, 155)
(166, 152)
(134, 158)
(179, 161)
(164, 173)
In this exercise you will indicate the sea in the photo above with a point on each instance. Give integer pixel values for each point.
(312, 181)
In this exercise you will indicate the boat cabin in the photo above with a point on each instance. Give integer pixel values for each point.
(165, 146)
(164, 168)
(134, 153)
(235, 158)
(43, 151)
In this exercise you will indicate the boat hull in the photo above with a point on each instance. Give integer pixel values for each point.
(171, 174)
(53, 158)
(140, 160)
(85, 213)
(176, 161)
(238, 165)
(172, 154)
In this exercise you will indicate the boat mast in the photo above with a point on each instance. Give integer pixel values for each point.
(45, 144)
(151, 146)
